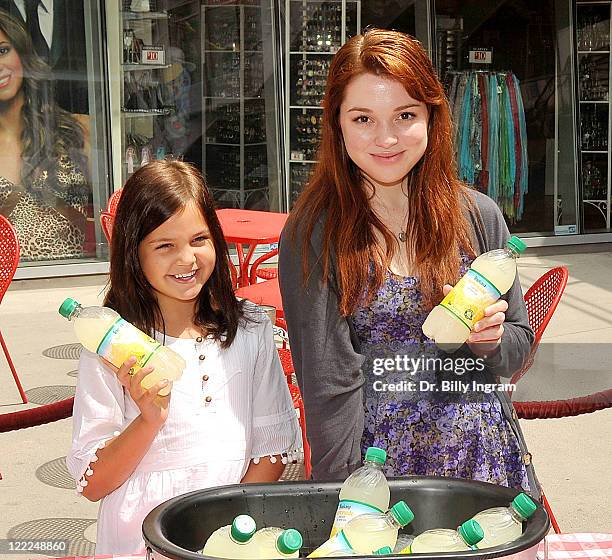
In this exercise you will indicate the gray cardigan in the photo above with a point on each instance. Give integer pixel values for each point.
(325, 348)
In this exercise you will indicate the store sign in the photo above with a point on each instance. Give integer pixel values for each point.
(481, 56)
(153, 55)
(566, 230)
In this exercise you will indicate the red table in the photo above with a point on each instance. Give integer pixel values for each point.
(264, 293)
(252, 228)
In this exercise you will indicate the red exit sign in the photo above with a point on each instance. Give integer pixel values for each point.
(153, 55)
(481, 56)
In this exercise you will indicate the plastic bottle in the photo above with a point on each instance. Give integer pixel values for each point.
(274, 542)
(448, 540)
(103, 331)
(368, 532)
(233, 541)
(365, 491)
(402, 546)
(490, 276)
(502, 525)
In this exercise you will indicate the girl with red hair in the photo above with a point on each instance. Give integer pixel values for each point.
(380, 232)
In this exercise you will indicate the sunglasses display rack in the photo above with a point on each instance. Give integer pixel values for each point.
(594, 62)
(236, 159)
(314, 31)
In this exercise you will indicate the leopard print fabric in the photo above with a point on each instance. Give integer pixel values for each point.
(44, 233)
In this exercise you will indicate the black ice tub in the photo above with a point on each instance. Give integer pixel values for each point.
(180, 526)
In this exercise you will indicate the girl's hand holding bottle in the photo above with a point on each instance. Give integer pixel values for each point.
(153, 408)
(487, 333)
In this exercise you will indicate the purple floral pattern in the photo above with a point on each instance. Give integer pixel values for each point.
(445, 434)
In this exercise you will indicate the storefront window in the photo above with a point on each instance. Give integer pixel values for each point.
(49, 151)
(198, 85)
(593, 53)
(508, 73)
(314, 31)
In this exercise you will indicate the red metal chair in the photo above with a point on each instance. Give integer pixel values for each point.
(9, 260)
(106, 221)
(541, 300)
(113, 201)
(285, 358)
(263, 273)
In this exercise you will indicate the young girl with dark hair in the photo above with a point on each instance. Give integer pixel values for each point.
(381, 230)
(229, 418)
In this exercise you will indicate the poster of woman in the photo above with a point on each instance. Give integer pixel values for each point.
(45, 189)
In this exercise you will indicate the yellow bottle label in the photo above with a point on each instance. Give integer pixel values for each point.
(347, 509)
(470, 297)
(123, 340)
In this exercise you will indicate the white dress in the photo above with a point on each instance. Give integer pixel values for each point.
(203, 443)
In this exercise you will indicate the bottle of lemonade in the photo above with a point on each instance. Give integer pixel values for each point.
(233, 541)
(448, 540)
(368, 532)
(274, 542)
(502, 525)
(490, 276)
(103, 331)
(364, 491)
(402, 546)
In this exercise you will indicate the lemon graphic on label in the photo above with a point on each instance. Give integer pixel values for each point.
(121, 352)
(469, 314)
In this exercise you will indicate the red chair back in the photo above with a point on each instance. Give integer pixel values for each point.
(9, 254)
(264, 273)
(106, 221)
(543, 297)
(541, 300)
(113, 201)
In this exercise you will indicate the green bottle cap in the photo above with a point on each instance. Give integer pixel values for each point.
(524, 505)
(243, 528)
(67, 308)
(382, 551)
(517, 244)
(376, 454)
(402, 513)
(289, 541)
(471, 531)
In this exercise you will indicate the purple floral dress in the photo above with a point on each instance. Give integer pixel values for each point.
(438, 432)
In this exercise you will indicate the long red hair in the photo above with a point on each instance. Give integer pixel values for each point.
(437, 227)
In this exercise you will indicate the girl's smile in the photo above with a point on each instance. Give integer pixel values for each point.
(186, 277)
(387, 158)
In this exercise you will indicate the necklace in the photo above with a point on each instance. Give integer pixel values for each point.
(401, 235)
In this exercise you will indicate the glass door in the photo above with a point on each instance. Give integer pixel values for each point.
(240, 103)
(593, 53)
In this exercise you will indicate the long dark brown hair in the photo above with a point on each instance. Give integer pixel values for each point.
(150, 196)
(49, 132)
(437, 227)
